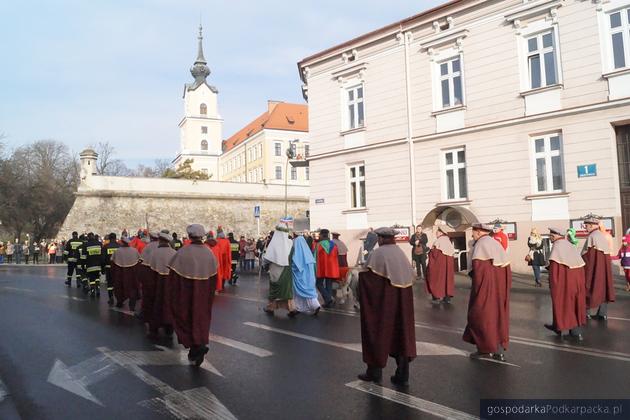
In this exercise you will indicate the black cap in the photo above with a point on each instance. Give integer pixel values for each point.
(112, 236)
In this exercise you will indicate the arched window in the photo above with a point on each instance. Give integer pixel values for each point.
(204, 145)
(203, 109)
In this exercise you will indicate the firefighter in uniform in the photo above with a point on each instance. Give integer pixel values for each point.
(176, 243)
(81, 264)
(235, 249)
(108, 251)
(71, 256)
(93, 260)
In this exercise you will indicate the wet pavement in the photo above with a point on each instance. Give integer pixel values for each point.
(65, 356)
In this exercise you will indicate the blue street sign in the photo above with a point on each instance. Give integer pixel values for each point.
(256, 211)
(585, 171)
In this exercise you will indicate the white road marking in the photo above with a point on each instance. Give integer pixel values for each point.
(74, 380)
(618, 319)
(247, 348)
(123, 311)
(419, 404)
(22, 290)
(191, 404)
(346, 346)
(71, 298)
(18, 289)
(3, 391)
(514, 339)
(422, 348)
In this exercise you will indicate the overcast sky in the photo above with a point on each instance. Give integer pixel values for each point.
(86, 71)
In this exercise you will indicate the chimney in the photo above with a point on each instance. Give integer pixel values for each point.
(271, 105)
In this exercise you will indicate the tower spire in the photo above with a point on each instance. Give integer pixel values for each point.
(200, 70)
(200, 58)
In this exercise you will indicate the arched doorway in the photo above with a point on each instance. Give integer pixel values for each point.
(459, 219)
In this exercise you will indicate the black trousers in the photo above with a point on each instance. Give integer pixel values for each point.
(421, 264)
(72, 267)
(108, 278)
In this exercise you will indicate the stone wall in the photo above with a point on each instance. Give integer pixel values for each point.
(103, 212)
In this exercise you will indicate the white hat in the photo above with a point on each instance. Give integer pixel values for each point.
(195, 230)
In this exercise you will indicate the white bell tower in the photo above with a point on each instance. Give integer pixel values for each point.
(201, 129)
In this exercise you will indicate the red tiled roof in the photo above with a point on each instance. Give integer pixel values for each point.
(279, 116)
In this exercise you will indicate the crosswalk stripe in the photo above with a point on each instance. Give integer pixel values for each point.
(247, 348)
(419, 404)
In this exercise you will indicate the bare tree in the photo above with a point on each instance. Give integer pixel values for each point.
(106, 164)
(161, 166)
(37, 183)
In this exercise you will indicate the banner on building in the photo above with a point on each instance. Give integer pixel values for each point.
(580, 229)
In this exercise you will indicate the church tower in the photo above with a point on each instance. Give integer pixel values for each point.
(201, 129)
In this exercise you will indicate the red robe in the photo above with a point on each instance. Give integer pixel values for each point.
(568, 296)
(125, 281)
(387, 320)
(212, 245)
(440, 275)
(148, 283)
(162, 315)
(327, 264)
(191, 305)
(599, 279)
(225, 261)
(488, 307)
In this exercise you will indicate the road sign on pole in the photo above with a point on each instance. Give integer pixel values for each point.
(257, 211)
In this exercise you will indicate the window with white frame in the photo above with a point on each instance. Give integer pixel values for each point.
(619, 22)
(357, 185)
(293, 173)
(260, 174)
(307, 173)
(259, 150)
(204, 130)
(293, 149)
(277, 149)
(451, 89)
(541, 59)
(549, 171)
(354, 106)
(278, 172)
(455, 186)
(306, 150)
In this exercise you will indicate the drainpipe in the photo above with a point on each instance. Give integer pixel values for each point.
(406, 38)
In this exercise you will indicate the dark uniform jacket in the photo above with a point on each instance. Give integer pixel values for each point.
(71, 252)
(92, 255)
(108, 251)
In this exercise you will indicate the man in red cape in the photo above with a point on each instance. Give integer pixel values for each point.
(567, 286)
(326, 266)
(440, 282)
(598, 270)
(342, 251)
(125, 262)
(387, 317)
(225, 249)
(192, 279)
(160, 315)
(138, 240)
(212, 244)
(489, 304)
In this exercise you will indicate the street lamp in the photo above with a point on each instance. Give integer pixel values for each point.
(290, 155)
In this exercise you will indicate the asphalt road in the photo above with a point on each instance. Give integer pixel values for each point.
(64, 356)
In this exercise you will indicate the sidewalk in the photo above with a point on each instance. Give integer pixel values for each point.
(526, 282)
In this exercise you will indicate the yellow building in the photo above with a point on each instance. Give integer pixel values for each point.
(257, 152)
